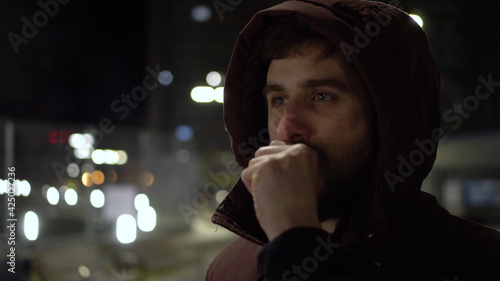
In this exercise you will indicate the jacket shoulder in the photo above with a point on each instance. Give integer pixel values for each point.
(443, 245)
(482, 254)
(237, 261)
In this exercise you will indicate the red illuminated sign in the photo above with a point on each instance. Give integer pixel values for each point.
(61, 136)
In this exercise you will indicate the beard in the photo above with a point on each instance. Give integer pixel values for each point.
(344, 170)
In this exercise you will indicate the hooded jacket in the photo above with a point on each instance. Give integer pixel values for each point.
(395, 231)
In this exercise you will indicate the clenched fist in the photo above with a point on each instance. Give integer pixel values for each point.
(283, 180)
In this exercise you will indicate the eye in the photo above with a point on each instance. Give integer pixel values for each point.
(322, 97)
(278, 101)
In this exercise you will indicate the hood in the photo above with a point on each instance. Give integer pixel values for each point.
(391, 53)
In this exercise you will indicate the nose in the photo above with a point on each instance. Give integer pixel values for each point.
(291, 124)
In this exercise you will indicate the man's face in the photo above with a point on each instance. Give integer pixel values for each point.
(321, 102)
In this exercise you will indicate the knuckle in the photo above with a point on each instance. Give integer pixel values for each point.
(252, 161)
(270, 163)
(258, 152)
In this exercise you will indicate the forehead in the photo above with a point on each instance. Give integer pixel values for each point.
(312, 63)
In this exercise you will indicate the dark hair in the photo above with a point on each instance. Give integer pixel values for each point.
(287, 38)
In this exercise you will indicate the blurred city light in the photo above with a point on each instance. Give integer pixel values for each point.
(109, 156)
(141, 201)
(89, 139)
(201, 13)
(52, 195)
(81, 140)
(99, 156)
(184, 133)
(126, 229)
(17, 189)
(112, 176)
(24, 188)
(417, 19)
(71, 197)
(97, 177)
(63, 189)
(147, 179)
(76, 140)
(44, 189)
(214, 78)
(3, 186)
(87, 179)
(84, 271)
(31, 225)
(220, 195)
(97, 198)
(202, 94)
(73, 170)
(87, 168)
(122, 157)
(183, 155)
(146, 219)
(83, 152)
(165, 77)
(70, 184)
(219, 94)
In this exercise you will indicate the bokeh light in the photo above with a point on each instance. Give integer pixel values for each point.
(184, 133)
(73, 170)
(126, 229)
(201, 13)
(141, 201)
(146, 219)
(97, 177)
(146, 179)
(214, 78)
(165, 77)
(417, 19)
(71, 197)
(202, 94)
(53, 195)
(87, 179)
(31, 225)
(97, 198)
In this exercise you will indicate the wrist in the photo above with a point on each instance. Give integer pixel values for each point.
(276, 229)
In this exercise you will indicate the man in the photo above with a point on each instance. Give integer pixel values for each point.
(347, 91)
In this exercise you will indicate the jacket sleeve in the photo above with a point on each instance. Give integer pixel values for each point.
(299, 254)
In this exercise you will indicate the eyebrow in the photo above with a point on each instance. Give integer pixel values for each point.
(307, 84)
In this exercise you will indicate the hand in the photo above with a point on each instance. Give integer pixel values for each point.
(283, 180)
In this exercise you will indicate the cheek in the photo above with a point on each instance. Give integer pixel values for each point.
(272, 124)
(337, 127)
(342, 129)
(353, 118)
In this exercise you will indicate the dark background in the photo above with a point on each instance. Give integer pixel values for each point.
(92, 51)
